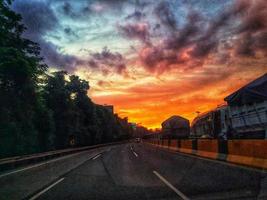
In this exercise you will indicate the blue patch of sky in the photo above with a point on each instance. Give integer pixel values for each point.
(95, 30)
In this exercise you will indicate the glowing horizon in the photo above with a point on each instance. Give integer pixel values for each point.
(152, 59)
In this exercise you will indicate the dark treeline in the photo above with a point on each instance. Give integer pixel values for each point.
(41, 111)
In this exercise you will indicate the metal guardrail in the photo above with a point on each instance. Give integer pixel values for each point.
(12, 162)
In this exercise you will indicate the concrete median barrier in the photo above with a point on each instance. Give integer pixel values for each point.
(173, 145)
(248, 152)
(165, 143)
(186, 146)
(207, 148)
(252, 153)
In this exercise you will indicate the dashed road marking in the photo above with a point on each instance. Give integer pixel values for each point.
(178, 192)
(136, 155)
(46, 189)
(96, 156)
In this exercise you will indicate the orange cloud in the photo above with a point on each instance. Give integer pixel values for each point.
(151, 102)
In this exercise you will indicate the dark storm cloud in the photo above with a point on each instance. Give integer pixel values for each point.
(255, 17)
(108, 61)
(261, 41)
(37, 16)
(67, 9)
(187, 34)
(139, 12)
(169, 51)
(55, 59)
(39, 19)
(244, 46)
(242, 24)
(165, 15)
(239, 29)
(157, 59)
(135, 31)
(116, 2)
(136, 15)
(103, 6)
(203, 48)
(156, 27)
(249, 17)
(68, 31)
(209, 40)
(252, 29)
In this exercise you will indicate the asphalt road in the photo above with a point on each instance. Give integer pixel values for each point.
(133, 171)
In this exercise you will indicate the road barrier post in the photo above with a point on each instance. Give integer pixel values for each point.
(222, 149)
(194, 144)
(179, 143)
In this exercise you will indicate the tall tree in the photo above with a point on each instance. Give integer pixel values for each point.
(57, 97)
(40, 111)
(85, 127)
(20, 70)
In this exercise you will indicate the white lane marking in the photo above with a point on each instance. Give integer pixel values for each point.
(96, 156)
(179, 193)
(46, 189)
(37, 165)
(136, 155)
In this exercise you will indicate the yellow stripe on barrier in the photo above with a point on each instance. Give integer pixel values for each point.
(207, 154)
(186, 144)
(183, 150)
(165, 143)
(173, 145)
(207, 145)
(252, 153)
(250, 148)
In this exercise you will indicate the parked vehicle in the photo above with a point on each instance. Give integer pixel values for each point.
(245, 116)
(137, 140)
(214, 123)
(176, 127)
(248, 109)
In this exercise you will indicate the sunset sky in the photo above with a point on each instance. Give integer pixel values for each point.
(152, 59)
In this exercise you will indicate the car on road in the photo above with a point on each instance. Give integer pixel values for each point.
(137, 140)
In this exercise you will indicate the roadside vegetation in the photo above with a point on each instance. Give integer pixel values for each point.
(41, 111)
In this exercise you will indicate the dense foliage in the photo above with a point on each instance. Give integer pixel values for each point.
(41, 111)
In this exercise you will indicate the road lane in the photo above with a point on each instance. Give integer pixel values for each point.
(46, 189)
(205, 179)
(178, 192)
(37, 165)
(117, 173)
(20, 183)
